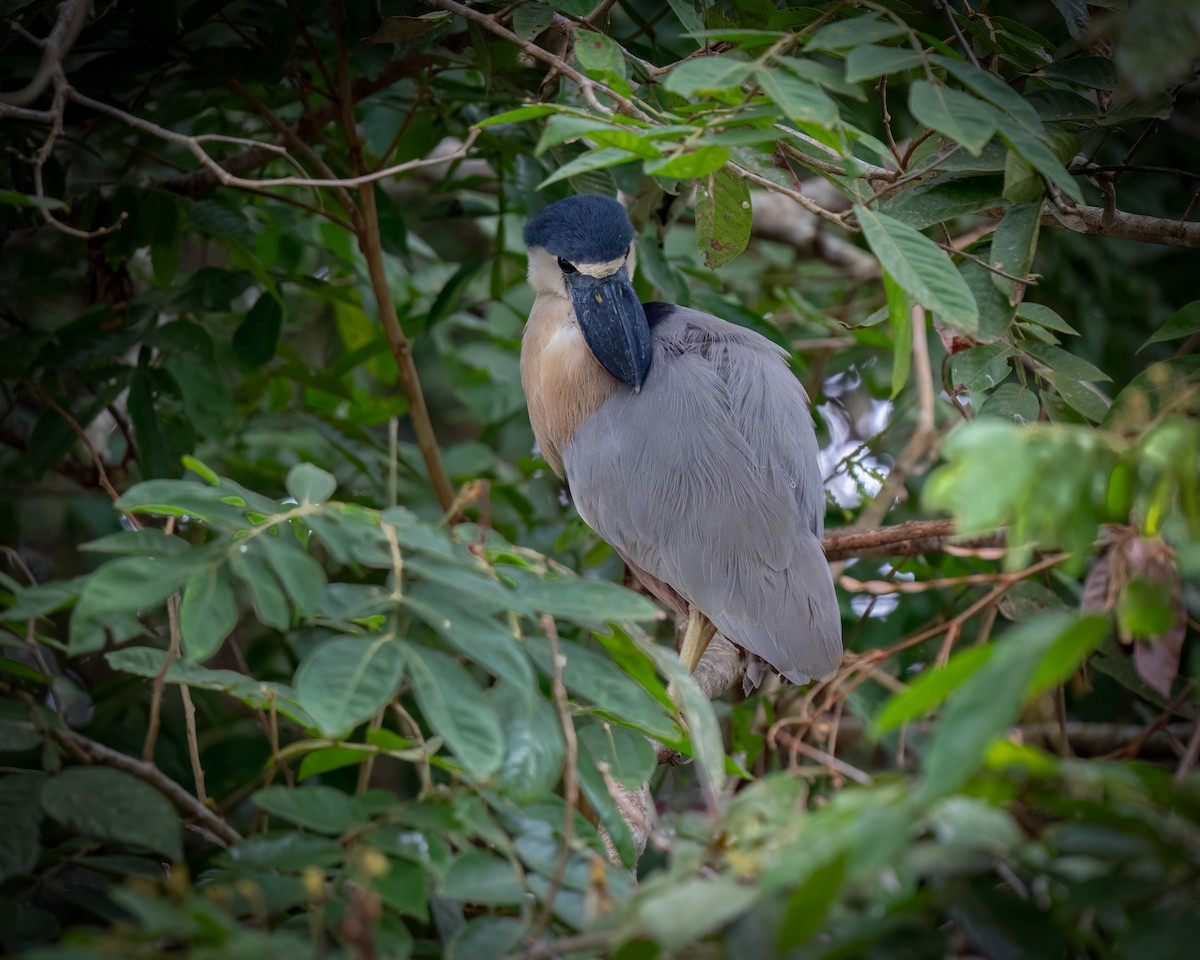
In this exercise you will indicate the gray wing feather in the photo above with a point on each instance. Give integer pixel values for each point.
(708, 480)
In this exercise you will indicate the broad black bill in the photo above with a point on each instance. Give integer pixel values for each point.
(613, 324)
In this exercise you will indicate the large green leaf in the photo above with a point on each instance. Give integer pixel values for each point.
(924, 271)
(347, 680)
(114, 806)
(989, 701)
(723, 217)
(799, 100)
(122, 587)
(533, 741)
(21, 813)
(316, 807)
(208, 613)
(962, 118)
(454, 707)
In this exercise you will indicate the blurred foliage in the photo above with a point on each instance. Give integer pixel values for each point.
(280, 616)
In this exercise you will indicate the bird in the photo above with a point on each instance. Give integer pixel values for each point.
(685, 441)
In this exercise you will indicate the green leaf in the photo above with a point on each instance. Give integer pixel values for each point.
(1068, 651)
(270, 604)
(330, 758)
(920, 267)
(963, 118)
(584, 600)
(208, 613)
(627, 755)
(315, 807)
(708, 746)
(479, 877)
(982, 367)
(15, 199)
(592, 160)
(114, 806)
(800, 101)
(869, 61)
(900, 318)
(533, 741)
(686, 911)
(988, 702)
(290, 851)
(119, 589)
(405, 889)
(347, 680)
(853, 32)
(707, 75)
(257, 336)
(21, 814)
(1022, 184)
(598, 54)
(531, 112)
(809, 904)
(699, 162)
(1183, 323)
(1012, 401)
(1044, 317)
(691, 20)
(455, 708)
(723, 218)
(1014, 244)
(930, 689)
(309, 484)
(595, 678)
(477, 635)
(302, 577)
(1062, 362)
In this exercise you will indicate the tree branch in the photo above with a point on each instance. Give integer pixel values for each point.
(1121, 226)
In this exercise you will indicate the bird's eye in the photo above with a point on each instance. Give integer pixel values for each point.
(566, 266)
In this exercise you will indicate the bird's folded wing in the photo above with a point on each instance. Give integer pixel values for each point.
(708, 480)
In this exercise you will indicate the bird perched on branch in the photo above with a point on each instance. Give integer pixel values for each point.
(686, 443)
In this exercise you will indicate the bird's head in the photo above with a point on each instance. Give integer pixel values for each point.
(581, 249)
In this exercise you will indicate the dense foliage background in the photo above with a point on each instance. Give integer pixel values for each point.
(305, 653)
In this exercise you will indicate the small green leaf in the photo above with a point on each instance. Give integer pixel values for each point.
(1183, 323)
(1012, 401)
(598, 54)
(920, 267)
(112, 805)
(1062, 362)
(208, 613)
(289, 851)
(1022, 184)
(309, 484)
(592, 160)
(257, 336)
(853, 32)
(926, 693)
(479, 877)
(314, 807)
(699, 162)
(960, 117)
(708, 745)
(799, 100)
(982, 367)
(723, 218)
(532, 112)
(347, 680)
(21, 814)
(330, 758)
(1044, 317)
(869, 61)
(689, 18)
(707, 75)
(15, 199)
(900, 318)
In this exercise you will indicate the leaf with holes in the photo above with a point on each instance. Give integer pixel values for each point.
(723, 218)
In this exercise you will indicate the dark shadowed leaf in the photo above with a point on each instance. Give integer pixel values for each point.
(316, 807)
(114, 806)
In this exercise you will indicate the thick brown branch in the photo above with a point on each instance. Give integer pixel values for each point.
(1122, 226)
(903, 540)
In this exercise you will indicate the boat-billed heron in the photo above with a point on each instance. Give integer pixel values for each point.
(686, 443)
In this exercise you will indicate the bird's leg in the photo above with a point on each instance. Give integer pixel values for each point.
(696, 639)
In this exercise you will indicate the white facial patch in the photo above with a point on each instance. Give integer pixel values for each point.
(601, 270)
